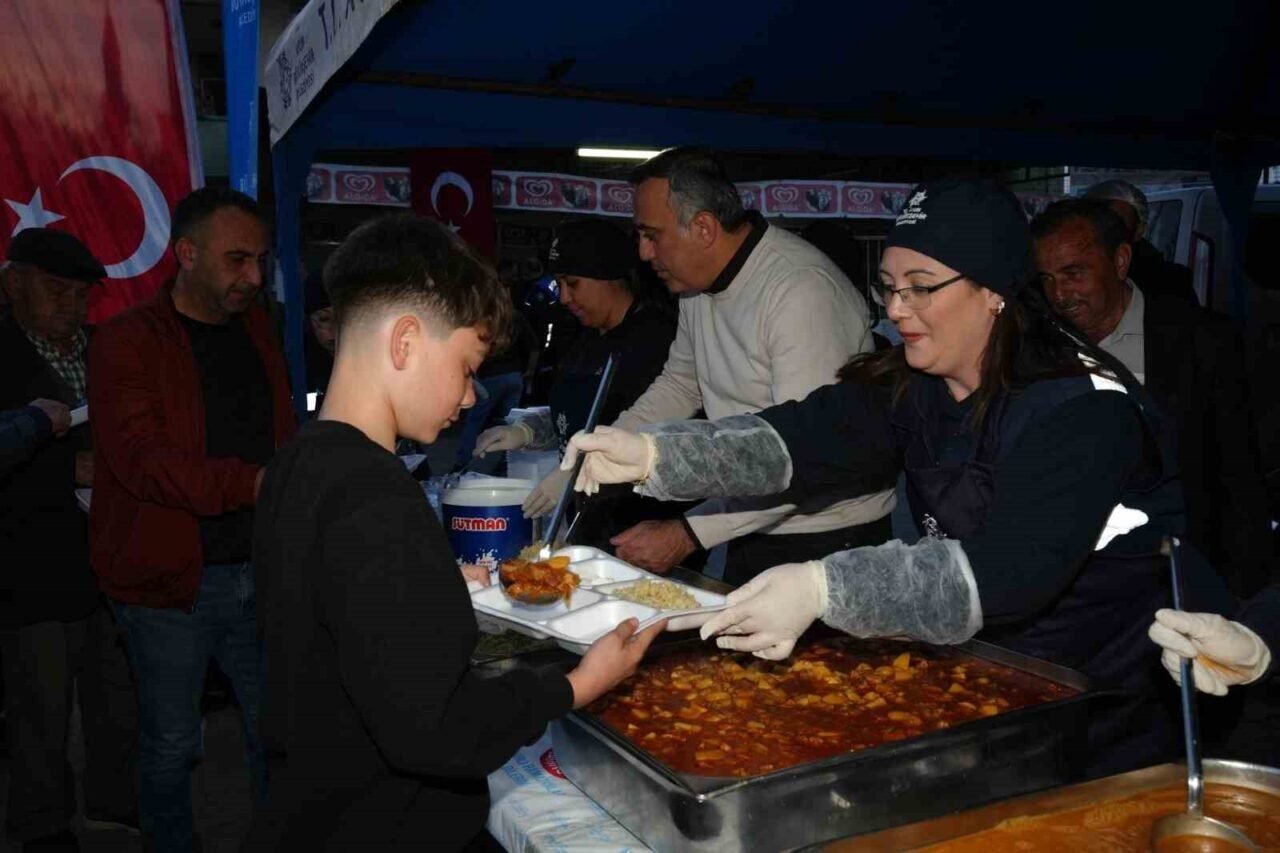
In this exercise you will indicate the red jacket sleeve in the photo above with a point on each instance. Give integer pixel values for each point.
(130, 433)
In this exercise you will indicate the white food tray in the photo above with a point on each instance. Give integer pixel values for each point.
(594, 608)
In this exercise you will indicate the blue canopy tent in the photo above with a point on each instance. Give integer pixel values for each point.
(1195, 86)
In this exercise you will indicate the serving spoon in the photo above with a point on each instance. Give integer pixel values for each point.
(1192, 830)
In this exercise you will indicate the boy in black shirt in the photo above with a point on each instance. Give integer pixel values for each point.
(383, 733)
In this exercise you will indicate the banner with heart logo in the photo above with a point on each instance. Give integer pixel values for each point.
(538, 191)
(616, 199)
(802, 198)
(864, 199)
(556, 193)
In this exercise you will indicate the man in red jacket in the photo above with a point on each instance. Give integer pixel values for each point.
(189, 401)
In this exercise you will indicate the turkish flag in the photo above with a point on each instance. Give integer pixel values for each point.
(97, 133)
(455, 186)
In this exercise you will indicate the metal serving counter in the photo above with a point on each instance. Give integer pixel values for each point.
(953, 826)
(1029, 749)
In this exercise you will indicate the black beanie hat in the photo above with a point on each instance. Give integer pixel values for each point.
(974, 225)
(591, 248)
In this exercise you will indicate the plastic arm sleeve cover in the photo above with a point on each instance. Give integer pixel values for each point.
(736, 456)
(924, 592)
(543, 431)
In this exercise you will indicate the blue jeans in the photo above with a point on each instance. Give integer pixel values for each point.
(170, 651)
(504, 394)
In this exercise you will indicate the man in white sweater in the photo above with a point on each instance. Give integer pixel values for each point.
(764, 318)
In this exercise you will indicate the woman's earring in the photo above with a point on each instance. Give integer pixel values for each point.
(999, 309)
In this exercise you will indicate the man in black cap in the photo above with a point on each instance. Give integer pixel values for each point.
(53, 629)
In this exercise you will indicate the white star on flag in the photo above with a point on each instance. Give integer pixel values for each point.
(32, 214)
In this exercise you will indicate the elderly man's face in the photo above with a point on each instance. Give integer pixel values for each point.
(669, 247)
(45, 305)
(1083, 282)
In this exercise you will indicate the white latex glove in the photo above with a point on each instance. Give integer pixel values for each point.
(1236, 654)
(544, 495)
(769, 613)
(613, 456)
(499, 438)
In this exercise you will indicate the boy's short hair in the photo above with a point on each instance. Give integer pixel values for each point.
(419, 264)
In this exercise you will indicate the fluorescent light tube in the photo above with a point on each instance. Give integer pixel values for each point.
(619, 153)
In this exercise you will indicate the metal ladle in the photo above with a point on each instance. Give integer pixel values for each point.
(1192, 825)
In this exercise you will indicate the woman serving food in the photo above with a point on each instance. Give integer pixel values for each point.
(594, 265)
(1033, 478)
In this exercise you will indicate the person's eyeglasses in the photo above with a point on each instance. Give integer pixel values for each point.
(914, 297)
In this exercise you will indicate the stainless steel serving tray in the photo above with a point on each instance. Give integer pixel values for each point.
(954, 826)
(1029, 749)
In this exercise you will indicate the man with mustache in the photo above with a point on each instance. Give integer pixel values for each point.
(189, 401)
(1189, 359)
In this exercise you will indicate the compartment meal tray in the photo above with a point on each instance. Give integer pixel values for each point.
(1028, 749)
(594, 608)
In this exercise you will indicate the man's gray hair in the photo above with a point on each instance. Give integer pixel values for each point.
(1118, 190)
(698, 182)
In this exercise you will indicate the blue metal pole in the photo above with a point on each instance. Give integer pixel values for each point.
(240, 58)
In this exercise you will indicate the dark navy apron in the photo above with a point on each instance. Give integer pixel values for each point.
(571, 396)
(614, 508)
(1097, 626)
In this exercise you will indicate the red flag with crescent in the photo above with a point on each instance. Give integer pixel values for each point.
(455, 186)
(97, 133)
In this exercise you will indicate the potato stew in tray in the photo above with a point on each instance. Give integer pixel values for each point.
(715, 713)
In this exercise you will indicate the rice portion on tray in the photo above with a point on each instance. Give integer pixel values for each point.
(663, 595)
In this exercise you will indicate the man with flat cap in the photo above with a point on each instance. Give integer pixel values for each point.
(54, 630)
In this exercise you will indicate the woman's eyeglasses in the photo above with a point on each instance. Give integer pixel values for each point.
(914, 297)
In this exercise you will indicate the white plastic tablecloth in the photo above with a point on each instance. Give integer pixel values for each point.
(535, 808)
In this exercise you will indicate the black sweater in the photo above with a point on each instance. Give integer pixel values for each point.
(382, 733)
(1054, 487)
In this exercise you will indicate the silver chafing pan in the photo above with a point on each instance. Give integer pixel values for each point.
(1029, 749)
(954, 826)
